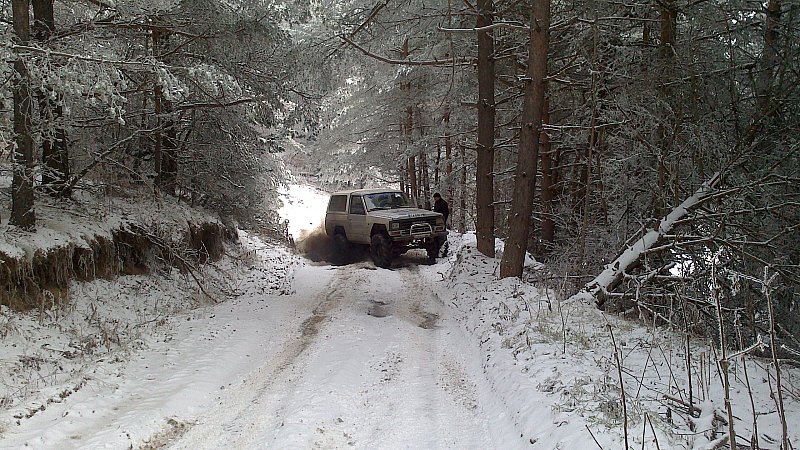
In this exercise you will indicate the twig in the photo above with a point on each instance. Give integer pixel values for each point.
(723, 362)
(592, 435)
(652, 429)
(621, 388)
(694, 411)
(773, 344)
(186, 264)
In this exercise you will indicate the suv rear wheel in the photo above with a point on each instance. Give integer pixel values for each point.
(341, 243)
(381, 250)
(341, 249)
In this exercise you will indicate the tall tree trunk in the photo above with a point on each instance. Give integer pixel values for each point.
(548, 224)
(166, 146)
(23, 214)
(519, 223)
(43, 20)
(407, 132)
(426, 182)
(403, 171)
(55, 153)
(484, 175)
(412, 179)
(462, 223)
(169, 153)
(448, 155)
(437, 165)
(157, 136)
(669, 25)
(769, 58)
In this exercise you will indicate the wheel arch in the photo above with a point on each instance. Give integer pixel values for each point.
(378, 228)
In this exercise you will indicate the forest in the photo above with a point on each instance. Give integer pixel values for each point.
(653, 142)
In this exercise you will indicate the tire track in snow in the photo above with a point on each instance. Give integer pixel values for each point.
(355, 379)
(233, 423)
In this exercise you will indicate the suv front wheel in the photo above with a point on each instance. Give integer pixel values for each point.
(381, 250)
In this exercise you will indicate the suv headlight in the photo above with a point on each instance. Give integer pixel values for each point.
(394, 226)
(440, 221)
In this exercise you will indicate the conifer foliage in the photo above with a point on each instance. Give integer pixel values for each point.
(181, 98)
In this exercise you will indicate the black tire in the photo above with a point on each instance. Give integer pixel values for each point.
(340, 242)
(341, 249)
(381, 250)
(432, 250)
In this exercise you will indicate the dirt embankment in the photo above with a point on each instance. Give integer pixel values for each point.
(33, 275)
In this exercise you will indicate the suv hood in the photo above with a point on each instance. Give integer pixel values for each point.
(403, 213)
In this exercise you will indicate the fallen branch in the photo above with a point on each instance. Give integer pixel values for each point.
(598, 289)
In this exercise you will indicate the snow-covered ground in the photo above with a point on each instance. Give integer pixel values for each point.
(307, 355)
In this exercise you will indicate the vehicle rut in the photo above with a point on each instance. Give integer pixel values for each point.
(230, 413)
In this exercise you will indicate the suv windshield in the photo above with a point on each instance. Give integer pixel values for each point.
(386, 200)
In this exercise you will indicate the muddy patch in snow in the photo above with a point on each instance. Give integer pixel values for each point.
(379, 308)
(171, 432)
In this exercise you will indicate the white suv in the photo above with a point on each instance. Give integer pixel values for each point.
(385, 220)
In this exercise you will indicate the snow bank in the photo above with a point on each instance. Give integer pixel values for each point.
(551, 364)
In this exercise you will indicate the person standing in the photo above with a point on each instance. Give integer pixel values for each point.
(441, 206)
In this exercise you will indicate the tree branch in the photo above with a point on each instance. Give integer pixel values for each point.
(405, 62)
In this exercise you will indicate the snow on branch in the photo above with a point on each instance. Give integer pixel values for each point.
(407, 62)
(598, 289)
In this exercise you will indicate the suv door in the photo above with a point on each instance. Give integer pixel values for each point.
(336, 215)
(357, 221)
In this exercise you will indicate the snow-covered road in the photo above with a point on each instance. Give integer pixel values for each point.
(373, 364)
(356, 357)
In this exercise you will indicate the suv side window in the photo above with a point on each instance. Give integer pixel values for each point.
(338, 203)
(356, 205)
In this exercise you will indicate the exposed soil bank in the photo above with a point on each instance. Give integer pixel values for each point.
(34, 275)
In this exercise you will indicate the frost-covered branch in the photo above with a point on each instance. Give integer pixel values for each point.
(598, 288)
(407, 62)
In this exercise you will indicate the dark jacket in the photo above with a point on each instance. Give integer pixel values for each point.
(441, 207)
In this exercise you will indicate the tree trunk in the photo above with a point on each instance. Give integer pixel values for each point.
(462, 223)
(407, 133)
(437, 165)
(43, 20)
(166, 146)
(426, 182)
(769, 57)
(448, 155)
(669, 25)
(548, 224)
(519, 223)
(55, 153)
(484, 175)
(169, 154)
(403, 171)
(412, 179)
(23, 214)
(157, 136)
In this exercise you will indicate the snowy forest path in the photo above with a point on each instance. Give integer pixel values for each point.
(375, 365)
(350, 357)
